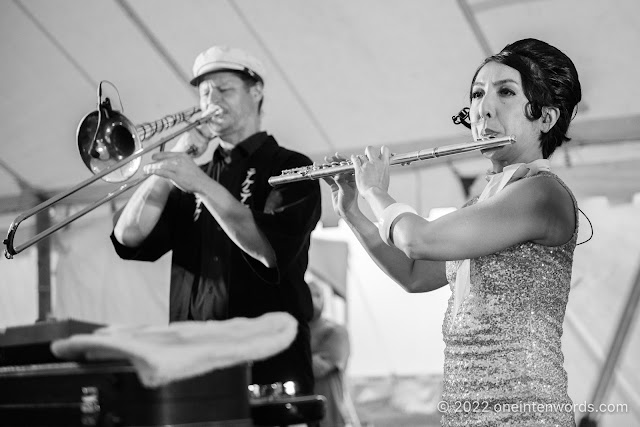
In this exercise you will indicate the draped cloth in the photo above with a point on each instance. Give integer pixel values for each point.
(496, 183)
(162, 354)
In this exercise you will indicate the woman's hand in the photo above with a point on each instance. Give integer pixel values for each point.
(344, 193)
(372, 169)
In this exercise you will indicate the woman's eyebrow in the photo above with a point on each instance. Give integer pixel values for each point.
(496, 83)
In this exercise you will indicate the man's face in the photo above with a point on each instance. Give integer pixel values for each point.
(234, 102)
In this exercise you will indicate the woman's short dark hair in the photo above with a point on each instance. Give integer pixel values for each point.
(549, 79)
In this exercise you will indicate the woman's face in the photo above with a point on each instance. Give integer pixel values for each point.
(498, 106)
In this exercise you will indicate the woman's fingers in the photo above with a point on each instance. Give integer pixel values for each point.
(357, 163)
(337, 157)
(374, 153)
(385, 154)
(331, 181)
(371, 153)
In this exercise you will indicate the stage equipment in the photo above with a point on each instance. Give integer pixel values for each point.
(39, 389)
(109, 393)
(337, 168)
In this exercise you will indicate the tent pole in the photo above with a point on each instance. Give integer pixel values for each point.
(470, 16)
(617, 345)
(43, 222)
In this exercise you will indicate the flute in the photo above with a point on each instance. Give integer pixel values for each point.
(336, 168)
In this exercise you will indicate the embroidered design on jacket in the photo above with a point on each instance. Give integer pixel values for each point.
(246, 186)
(198, 210)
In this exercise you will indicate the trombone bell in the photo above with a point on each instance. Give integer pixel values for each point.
(105, 137)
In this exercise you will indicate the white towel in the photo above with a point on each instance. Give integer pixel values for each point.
(161, 354)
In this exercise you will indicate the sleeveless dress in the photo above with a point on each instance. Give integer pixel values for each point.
(503, 360)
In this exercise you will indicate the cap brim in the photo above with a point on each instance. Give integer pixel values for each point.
(213, 69)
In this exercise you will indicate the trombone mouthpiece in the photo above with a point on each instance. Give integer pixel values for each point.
(213, 112)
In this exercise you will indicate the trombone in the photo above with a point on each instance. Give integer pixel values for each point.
(111, 147)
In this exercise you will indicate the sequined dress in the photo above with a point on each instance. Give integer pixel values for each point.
(503, 360)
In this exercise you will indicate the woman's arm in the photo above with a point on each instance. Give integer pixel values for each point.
(537, 209)
(412, 275)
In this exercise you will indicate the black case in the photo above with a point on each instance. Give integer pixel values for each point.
(31, 344)
(110, 394)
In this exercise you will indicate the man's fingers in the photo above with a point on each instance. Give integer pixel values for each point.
(161, 167)
(163, 155)
(152, 168)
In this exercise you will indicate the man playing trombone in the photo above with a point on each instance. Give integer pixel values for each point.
(240, 247)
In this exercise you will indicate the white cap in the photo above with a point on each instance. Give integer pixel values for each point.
(218, 58)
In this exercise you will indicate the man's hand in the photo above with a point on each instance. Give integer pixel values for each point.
(194, 143)
(180, 169)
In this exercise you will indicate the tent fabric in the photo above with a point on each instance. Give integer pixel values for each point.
(19, 290)
(604, 271)
(94, 284)
(328, 261)
(341, 75)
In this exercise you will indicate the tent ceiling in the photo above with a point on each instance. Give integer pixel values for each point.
(341, 75)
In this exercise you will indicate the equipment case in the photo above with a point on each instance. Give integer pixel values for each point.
(109, 394)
